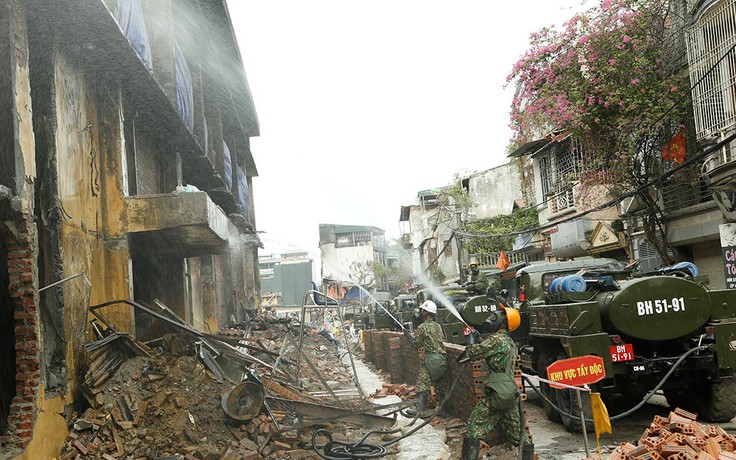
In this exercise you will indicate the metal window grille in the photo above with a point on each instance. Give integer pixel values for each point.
(685, 188)
(347, 240)
(558, 171)
(709, 39)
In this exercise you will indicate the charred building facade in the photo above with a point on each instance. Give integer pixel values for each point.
(125, 173)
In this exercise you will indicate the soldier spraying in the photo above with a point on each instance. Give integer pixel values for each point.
(499, 407)
(431, 379)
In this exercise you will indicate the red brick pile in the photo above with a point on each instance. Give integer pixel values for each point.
(403, 390)
(678, 437)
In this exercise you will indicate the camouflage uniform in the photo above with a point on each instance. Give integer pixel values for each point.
(497, 350)
(477, 283)
(429, 336)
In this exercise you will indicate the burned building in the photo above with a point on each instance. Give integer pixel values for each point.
(125, 173)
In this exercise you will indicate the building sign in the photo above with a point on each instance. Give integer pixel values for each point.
(583, 370)
(728, 247)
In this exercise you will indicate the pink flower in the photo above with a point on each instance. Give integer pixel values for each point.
(583, 39)
(626, 38)
(612, 62)
(673, 89)
(634, 81)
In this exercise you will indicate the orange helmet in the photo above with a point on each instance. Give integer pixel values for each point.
(513, 318)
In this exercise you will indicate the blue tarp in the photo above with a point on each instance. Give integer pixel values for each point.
(129, 15)
(356, 293)
(184, 90)
(227, 159)
(243, 192)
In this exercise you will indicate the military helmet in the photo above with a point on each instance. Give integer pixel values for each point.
(496, 318)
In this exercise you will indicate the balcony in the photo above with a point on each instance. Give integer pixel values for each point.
(561, 202)
(188, 224)
(719, 172)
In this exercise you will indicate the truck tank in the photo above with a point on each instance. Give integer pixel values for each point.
(655, 308)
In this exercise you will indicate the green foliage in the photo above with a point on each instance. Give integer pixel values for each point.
(519, 220)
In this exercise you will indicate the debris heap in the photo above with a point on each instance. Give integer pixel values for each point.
(678, 437)
(172, 396)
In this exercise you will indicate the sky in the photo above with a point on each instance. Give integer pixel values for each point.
(361, 104)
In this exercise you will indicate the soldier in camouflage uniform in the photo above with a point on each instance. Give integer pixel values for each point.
(499, 352)
(477, 282)
(429, 337)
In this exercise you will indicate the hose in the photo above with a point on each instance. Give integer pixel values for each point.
(338, 450)
(647, 397)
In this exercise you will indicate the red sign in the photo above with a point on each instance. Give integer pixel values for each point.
(583, 370)
(622, 352)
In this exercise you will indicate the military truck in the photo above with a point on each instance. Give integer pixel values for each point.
(645, 326)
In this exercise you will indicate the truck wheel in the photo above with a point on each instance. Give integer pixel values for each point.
(545, 359)
(717, 404)
(567, 400)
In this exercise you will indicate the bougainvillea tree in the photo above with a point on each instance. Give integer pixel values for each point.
(612, 76)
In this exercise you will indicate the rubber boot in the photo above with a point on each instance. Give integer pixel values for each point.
(420, 405)
(471, 449)
(527, 452)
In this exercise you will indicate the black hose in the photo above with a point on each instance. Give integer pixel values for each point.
(647, 397)
(338, 450)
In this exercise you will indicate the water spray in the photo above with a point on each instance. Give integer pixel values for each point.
(442, 298)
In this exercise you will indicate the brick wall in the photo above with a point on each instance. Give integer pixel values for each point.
(20, 243)
(392, 353)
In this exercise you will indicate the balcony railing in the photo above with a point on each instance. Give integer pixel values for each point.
(561, 201)
(684, 189)
(491, 259)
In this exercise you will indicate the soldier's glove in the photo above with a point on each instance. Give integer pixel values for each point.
(409, 336)
(474, 337)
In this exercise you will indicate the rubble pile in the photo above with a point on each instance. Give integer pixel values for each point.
(678, 437)
(403, 390)
(169, 397)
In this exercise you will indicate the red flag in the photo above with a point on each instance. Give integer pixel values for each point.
(503, 261)
(676, 149)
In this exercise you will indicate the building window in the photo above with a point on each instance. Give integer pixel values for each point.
(712, 65)
(347, 240)
(558, 170)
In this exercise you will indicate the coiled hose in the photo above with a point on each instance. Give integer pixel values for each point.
(339, 450)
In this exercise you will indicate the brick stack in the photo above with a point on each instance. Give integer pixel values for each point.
(396, 368)
(20, 244)
(678, 437)
(368, 349)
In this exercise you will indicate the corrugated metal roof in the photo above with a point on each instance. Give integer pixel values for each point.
(530, 147)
